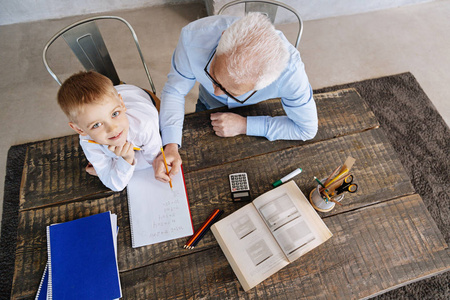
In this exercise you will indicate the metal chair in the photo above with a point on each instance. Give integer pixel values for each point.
(86, 42)
(269, 8)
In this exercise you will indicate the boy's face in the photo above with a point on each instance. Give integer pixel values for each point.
(105, 122)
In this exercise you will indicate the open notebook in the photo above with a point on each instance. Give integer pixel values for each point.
(158, 213)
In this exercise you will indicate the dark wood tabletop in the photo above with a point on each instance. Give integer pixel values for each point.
(383, 235)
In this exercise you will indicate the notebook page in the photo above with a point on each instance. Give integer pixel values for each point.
(157, 212)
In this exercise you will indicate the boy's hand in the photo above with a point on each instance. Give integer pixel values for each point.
(90, 169)
(126, 151)
(173, 160)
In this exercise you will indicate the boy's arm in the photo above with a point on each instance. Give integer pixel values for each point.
(113, 171)
(125, 151)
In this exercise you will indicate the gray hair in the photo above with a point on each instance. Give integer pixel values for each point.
(254, 50)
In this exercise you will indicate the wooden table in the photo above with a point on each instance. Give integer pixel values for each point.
(383, 236)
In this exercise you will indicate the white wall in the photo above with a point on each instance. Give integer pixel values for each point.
(20, 11)
(320, 9)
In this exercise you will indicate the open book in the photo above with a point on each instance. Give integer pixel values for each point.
(266, 235)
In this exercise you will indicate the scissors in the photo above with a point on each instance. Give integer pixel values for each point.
(347, 186)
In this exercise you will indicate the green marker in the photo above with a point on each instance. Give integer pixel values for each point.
(287, 177)
(321, 184)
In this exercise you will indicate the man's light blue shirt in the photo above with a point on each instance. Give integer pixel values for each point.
(197, 43)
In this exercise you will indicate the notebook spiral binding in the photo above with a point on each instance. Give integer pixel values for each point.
(42, 282)
(131, 220)
(49, 263)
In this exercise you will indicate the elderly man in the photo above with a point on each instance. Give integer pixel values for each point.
(237, 61)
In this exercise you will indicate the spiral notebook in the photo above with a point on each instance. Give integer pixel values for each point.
(82, 260)
(158, 213)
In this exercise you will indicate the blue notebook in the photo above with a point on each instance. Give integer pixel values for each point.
(42, 291)
(82, 259)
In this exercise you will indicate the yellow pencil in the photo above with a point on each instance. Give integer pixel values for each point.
(167, 168)
(338, 176)
(94, 142)
(332, 175)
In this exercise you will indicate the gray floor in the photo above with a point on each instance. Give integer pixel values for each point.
(336, 50)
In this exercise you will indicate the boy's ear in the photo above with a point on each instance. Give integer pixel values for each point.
(77, 129)
(121, 101)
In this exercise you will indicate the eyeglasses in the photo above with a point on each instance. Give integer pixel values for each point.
(220, 86)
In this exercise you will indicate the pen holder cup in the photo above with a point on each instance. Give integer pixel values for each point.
(319, 203)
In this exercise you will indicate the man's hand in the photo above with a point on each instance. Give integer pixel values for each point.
(228, 124)
(173, 159)
(126, 151)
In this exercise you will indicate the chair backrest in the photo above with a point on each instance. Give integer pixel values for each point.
(269, 8)
(86, 42)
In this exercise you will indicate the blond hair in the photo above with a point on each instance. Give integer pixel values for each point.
(81, 89)
(254, 50)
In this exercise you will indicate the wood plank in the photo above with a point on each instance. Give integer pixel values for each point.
(367, 254)
(377, 170)
(340, 113)
(55, 169)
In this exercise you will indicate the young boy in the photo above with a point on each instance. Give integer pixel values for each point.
(111, 121)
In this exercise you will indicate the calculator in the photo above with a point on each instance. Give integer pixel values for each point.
(240, 189)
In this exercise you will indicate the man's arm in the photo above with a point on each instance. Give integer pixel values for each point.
(180, 82)
(301, 122)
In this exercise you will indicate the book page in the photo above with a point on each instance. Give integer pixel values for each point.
(291, 219)
(158, 213)
(249, 246)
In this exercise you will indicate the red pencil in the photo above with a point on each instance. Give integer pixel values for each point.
(202, 228)
(205, 231)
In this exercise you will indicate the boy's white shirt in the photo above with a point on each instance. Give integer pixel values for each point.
(114, 171)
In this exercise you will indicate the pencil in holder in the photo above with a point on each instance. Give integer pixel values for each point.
(320, 202)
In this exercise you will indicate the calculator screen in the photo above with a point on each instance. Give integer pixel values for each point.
(241, 194)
